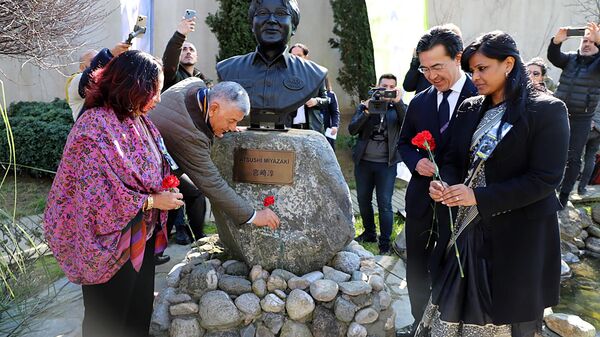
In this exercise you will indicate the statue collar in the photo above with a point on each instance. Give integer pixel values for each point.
(283, 58)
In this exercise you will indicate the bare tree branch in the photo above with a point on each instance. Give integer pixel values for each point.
(43, 31)
(590, 9)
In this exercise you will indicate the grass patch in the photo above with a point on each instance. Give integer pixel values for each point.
(44, 271)
(31, 192)
(210, 228)
(373, 247)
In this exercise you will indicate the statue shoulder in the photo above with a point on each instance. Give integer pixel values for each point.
(227, 67)
(310, 72)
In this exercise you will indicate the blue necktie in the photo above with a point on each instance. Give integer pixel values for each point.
(444, 112)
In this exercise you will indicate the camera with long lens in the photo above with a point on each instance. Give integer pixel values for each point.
(377, 103)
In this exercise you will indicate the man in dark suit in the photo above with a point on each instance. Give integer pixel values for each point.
(439, 52)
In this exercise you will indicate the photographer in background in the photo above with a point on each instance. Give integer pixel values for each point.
(375, 157)
(579, 88)
(181, 56)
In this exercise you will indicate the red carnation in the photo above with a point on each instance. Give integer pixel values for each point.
(270, 200)
(170, 182)
(424, 140)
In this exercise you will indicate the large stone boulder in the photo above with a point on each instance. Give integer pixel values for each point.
(315, 210)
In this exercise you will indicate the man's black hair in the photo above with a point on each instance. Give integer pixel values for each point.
(438, 35)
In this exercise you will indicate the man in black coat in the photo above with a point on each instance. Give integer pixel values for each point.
(579, 88)
(439, 52)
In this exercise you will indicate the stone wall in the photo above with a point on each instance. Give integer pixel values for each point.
(209, 297)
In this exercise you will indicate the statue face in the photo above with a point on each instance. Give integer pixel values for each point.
(272, 24)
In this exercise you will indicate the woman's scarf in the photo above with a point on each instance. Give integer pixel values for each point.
(484, 141)
(106, 173)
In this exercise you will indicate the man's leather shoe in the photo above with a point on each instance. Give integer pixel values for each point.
(161, 259)
(364, 237)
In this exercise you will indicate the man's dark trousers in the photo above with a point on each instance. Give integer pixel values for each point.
(381, 177)
(580, 130)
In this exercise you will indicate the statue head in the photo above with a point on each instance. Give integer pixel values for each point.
(273, 21)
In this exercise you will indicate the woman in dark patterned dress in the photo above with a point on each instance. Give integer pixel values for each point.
(507, 156)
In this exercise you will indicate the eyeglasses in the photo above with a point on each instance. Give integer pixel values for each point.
(279, 13)
(435, 68)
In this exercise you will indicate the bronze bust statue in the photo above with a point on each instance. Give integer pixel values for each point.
(278, 83)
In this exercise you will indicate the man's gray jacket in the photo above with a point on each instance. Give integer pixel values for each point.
(188, 139)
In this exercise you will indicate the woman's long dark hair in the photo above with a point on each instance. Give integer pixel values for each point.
(517, 90)
(126, 84)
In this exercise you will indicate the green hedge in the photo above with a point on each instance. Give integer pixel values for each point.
(353, 39)
(40, 131)
(232, 29)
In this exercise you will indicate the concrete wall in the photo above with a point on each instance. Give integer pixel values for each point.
(532, 23)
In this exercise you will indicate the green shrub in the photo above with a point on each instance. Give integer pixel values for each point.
(40, 131)
(346, 141)
(232, 29)
(351, 25)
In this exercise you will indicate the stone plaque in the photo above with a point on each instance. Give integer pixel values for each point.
(263, 166)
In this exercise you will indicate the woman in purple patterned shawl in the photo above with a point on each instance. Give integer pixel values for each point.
(106, 209)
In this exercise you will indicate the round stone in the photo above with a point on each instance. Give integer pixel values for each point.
(355, 288)
(203, 278)
(593, 244)
(218, 312)
(272, 303)
(272, 321)
(249, 304)
(295, 329)
(569, 325)
(299, 304)
(298, 283)
(356, 330)
(376, 282)
(324, 290)
(182, 309)
(284, 274)
(385, 300)
(280, 293)
(255, 273)
(234, 285)
(366, 316)
(344, 310)
(346, 262)
(276, 282)
(313, 276)
(237, 268)
(335, 275)
(259, 287)
(185, 328)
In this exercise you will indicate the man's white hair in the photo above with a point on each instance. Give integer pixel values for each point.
(231, 92)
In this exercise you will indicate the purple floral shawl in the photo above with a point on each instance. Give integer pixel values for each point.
(106, 173)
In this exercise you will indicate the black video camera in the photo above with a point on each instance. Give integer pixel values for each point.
(377, 104)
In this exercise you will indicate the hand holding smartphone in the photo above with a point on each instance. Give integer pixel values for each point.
(189, 14)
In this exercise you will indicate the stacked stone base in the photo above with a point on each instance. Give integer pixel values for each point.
(208, 297)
